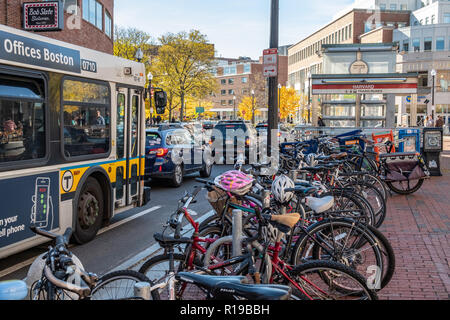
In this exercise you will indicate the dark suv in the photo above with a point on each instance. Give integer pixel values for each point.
(171, 152)
(231, 139)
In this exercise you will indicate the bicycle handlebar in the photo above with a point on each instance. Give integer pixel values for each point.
(79, 290)
(59, 239)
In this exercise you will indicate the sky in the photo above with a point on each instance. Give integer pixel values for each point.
(235, 27)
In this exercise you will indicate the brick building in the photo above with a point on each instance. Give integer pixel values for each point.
(87, 23)
(243, 77)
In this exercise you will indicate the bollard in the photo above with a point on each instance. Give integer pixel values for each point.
(142, 290)
(237, 233)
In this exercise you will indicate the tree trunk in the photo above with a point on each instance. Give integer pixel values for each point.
(182, 107)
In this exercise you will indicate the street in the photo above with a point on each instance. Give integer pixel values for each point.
(129, 233)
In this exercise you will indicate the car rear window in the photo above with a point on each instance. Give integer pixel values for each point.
(231, 126)
(153, 139)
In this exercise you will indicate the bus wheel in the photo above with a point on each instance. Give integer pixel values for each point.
(89, 212)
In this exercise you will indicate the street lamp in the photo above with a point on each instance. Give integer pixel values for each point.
(234, 107)
(433, 76)
(150, 78)
(253, 106)
(139, 55)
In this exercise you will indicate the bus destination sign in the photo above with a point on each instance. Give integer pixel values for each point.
(43, 16)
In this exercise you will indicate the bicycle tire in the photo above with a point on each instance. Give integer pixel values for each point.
(407, 191)
(305, 249)
(165, 258)
(119, 276)
(380, 209)
(335, 268)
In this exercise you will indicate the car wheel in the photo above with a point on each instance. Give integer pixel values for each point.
(177, 178)
(205, 172)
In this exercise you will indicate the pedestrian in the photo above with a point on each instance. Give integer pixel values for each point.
(439, 122)
(320, 122)
(430, 122)
(100, 120)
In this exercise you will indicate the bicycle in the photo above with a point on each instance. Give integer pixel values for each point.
(62, 279)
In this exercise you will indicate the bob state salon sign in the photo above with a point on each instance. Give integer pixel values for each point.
(43, 16)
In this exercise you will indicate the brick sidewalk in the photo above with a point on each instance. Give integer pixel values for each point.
(418, 227)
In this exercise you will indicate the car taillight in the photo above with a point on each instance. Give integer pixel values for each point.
(160, 152)
(279, 134)
(247, 141)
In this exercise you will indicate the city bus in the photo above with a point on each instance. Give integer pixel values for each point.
(72, 138)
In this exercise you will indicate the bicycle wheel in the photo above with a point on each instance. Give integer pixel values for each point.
(119, 285)
(344, 241)
(405, 187)
(324, 280)
(157, 270)
(375, 199)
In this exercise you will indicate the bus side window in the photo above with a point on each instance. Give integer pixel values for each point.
(22, 119)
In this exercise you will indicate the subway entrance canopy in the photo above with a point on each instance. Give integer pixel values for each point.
(392, 83)
(358, 84)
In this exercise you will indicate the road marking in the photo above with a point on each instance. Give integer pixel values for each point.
(119, 223)
(28, 262)
(135, 260)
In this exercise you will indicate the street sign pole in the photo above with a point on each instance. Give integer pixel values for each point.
(273, 81)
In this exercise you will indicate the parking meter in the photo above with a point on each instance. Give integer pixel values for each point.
(433, 144)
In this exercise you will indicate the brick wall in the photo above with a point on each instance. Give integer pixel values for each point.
(86, 35)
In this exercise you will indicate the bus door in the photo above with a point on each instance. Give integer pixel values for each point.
(127, 146)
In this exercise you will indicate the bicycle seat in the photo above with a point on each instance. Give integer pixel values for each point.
(341, 155)
(302, 189)
(288, 220)
(252, 291)
(319, 205)
(165, 241)
(209, 281)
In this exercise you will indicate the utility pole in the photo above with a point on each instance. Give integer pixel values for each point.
(273, 81)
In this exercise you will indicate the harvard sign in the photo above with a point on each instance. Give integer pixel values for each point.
(43, 16)
(369, 88)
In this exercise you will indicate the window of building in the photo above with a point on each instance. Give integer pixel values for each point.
(247, 68)
(22, 119)
(403, 7)
(223, 81)
(108, 24)
(231, 91)
(244, 80)
(440, 43)
(231, 81)
(416, 44)
(406, 45)
(428, 44)
(223, 102)
(393, 6)
(86, 118)
(230, 102)
(223, 92)
(446, 17)
(93, 12)
(382, 6)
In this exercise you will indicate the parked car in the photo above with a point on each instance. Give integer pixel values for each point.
(171, 152)
(238, 135)
(284, 134)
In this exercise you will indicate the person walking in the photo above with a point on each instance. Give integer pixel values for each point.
(439, 122)
(430, 122)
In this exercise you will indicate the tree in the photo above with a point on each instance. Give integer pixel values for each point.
(185, 61)
(289, 102)
(248, 108)
(128, 40)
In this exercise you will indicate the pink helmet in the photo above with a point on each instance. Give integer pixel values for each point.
(234, 181)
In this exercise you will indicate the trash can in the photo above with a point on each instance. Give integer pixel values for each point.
(411, 139)
(433, 144)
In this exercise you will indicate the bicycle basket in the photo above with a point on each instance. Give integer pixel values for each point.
(217, 198)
